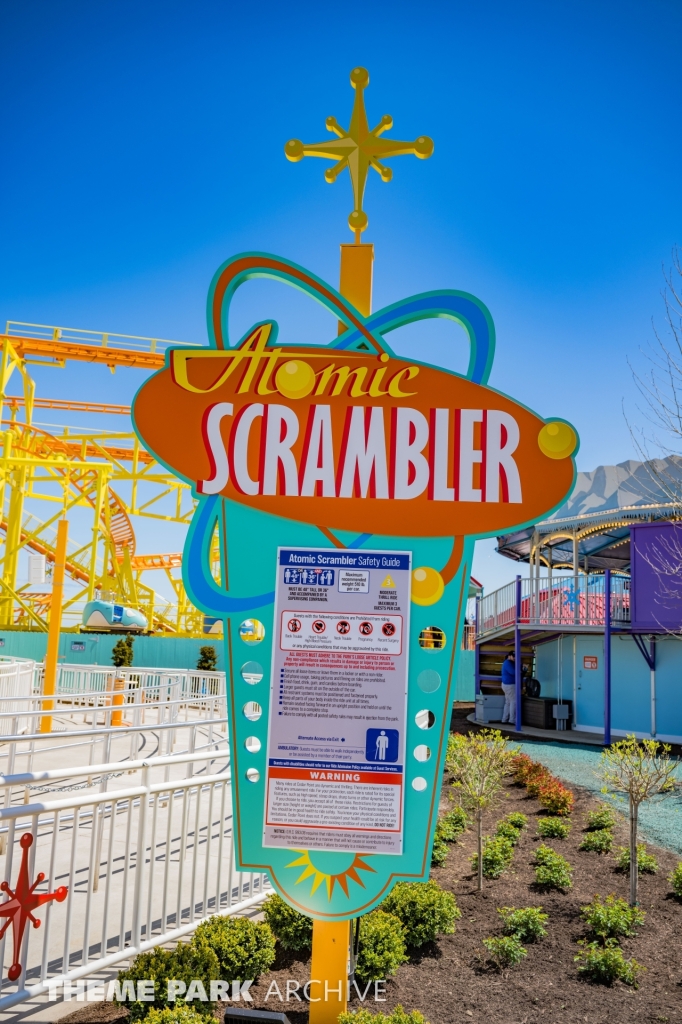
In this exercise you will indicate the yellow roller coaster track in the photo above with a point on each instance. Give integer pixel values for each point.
(82, 465)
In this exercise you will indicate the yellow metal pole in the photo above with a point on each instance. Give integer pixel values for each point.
(52, 655)
(331, 939)
(356, 276)
(329, 971)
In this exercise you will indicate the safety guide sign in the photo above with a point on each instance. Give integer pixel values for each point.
(336, 736)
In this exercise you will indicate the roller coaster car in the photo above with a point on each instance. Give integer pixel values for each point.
(115, 618)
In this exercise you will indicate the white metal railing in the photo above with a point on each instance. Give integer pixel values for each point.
(17, 682)
(121, 724)
(144, 863)
(76, 679)
(562, 601)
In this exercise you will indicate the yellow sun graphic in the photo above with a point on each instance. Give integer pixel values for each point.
(318, 877)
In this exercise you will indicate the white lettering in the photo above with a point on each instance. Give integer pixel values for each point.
(240, 449)
(196, 990)
(121, 993)
(306, 990)
(95, 992)
(145, 991)
(377, 989)
(362, 995)
(292, 989)
(468, 455)
(274, 989)
(281, 432)
(79, 991)
(364, 458)
(319, 445)
(216, 449)
(219, 990)
(440, 456)
(175, 989)
(502, 440)
(410, 468)
(242, 991)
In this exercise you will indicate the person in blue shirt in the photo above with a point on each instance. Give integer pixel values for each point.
(509, 689)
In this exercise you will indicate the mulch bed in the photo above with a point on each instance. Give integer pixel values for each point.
(452, 981)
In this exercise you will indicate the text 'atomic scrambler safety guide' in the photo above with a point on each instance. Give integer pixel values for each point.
(336, 737)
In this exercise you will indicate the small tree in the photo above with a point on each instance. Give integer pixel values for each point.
(208, 659)
(478, 763)
(122, 652)
(640, 770)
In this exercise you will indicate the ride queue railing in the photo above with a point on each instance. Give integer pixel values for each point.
(145, 860)
(558, 601)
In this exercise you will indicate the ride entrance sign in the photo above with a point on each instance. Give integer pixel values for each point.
(338, 701)
(342, 453)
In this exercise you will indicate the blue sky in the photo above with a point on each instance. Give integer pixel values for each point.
(143, 144)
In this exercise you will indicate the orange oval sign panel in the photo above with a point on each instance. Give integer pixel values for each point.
(353, 440)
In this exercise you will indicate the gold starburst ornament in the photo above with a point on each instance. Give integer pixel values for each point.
(358, 149)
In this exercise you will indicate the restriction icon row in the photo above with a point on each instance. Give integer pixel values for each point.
(343, 627)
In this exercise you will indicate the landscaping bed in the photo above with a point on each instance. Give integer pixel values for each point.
(453, 979)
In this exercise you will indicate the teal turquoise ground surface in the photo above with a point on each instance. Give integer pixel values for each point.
(660, 819)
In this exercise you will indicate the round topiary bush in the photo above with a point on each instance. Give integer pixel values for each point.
(293, 930)
(424, 910)
(382, 946)
(189, 961)
(244, 949)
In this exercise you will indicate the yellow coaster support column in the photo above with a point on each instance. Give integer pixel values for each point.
(329, 971)
(52, 654)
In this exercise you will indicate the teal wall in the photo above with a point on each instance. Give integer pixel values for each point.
(630, 683)
(163, 652)
(148, 651)
(465, 684)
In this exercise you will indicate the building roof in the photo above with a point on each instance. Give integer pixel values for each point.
(599, 510)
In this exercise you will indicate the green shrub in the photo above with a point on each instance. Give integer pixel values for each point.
(599, 841)
(244, 949)
(208, 659)
(424, 910)
(453, 824)
(646, 862)
(189, 960)
(675, 880)
(553, 871)
(518, 820)
(553, 828)
(505, 950)
(526, 924)
(439, 853)
(122, 651)
(292, 929)
(177, 1014)
(382, 946)
(398, 1016)
(606, 964)
(611, 918)
(603, 817)
(497, 856)
(507, 831)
